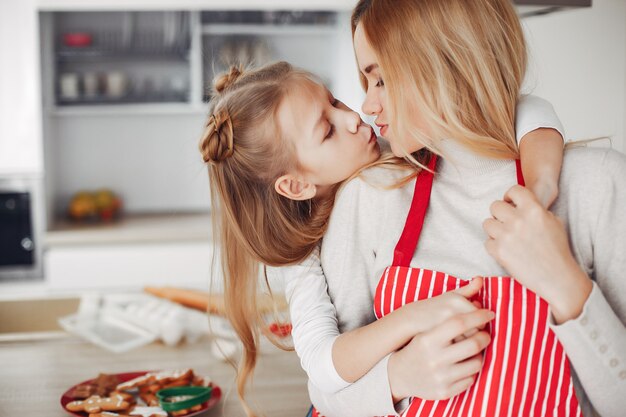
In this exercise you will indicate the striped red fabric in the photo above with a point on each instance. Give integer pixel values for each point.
(525, 370)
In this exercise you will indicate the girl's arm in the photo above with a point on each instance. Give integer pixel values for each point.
(540, 138)
(357, 351)
(541, 153)
(333, 361)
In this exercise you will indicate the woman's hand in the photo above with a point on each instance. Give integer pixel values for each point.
(432, 366)
(532, 245)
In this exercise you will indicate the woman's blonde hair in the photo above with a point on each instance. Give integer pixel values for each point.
(459, 63)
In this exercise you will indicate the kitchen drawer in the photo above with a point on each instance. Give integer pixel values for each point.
(129, 265)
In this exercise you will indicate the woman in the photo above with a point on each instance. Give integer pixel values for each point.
(461, 67)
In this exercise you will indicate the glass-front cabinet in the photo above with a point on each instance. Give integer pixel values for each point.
(125, 97)
(98, 60)
(121, 57)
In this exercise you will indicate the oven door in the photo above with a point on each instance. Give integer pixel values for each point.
(16, 239)
(20, 256)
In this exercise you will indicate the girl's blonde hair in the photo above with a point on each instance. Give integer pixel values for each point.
(253, 225)
(458, 63)
(246, 152)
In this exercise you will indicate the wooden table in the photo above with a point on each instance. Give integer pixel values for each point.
(34, 375)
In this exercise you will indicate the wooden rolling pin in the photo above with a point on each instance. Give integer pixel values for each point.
(213, 303)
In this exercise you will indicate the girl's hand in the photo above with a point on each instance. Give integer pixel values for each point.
(432, 366)
(532, 245)
(431, 312)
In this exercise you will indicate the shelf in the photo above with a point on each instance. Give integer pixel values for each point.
(532, 8)
(132, 228)
(100, 100)
(90, 54)
(128, 109)
(269, 30)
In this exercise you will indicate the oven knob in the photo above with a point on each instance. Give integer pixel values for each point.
(27, 244)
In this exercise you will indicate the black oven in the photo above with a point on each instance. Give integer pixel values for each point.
(20, 252)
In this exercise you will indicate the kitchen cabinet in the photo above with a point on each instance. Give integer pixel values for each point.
(144, 146)
(139, 250)
(109, 58)
(21, 151)
(146, 150)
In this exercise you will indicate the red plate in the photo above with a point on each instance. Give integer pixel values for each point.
(216, 394)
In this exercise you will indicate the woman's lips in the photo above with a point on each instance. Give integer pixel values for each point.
(383, 130)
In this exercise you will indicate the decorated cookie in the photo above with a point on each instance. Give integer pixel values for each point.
(148, 412)
(96, 404)
(108, 414)
(158, 379)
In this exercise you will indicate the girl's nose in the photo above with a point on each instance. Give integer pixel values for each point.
(353, 121)
(371, 105)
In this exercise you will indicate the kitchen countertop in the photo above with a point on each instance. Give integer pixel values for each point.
(133, 228)
(35, 374)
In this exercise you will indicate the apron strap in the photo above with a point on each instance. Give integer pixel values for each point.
(406, 246)
(520, 176)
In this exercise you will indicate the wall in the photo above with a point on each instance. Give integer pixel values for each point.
(152, 161)
(578, 62)
(20, 102)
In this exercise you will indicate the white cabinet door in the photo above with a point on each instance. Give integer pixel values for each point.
(20, 92)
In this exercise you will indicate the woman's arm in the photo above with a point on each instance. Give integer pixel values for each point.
(584, 285)
(540, 137)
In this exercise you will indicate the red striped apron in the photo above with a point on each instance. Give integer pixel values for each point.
(525, 370)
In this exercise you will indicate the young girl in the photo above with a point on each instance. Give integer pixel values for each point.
(278, 146)
(459, 66)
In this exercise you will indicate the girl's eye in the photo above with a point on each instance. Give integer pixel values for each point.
(334, 102)
(330, 133)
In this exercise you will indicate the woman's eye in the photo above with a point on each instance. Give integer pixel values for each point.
(330, 133)
(334, 102)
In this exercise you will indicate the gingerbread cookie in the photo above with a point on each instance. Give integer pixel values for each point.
(108, 414)
(96, 404)
(158, 379)
(102, 386)
(148, 412)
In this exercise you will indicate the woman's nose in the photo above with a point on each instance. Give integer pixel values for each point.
(371, 105)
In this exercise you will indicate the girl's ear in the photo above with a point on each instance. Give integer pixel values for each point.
(294, 188)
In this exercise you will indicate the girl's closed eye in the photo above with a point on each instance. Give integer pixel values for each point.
(331, 132)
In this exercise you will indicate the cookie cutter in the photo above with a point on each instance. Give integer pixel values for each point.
(182, 398)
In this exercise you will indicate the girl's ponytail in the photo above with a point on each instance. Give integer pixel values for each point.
(253, 225)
